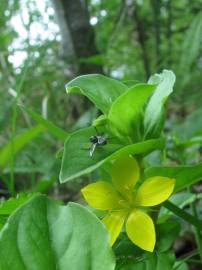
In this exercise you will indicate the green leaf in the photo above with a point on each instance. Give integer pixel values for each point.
(123, 247)
(190, 142)
(101, 90)
(8, 206)
(76, 160)
(157, 261)
(180, 265)
(166, 234)
(18, 143)
(42, 234)
(3, 220)
(54, 130)
(126, 113)
(154, 112)
(185, 175)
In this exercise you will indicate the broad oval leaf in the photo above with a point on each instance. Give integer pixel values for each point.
(101, 90)
(185, 176)
(154, 113)
(42, 234)
(77, 161)
(126, 113)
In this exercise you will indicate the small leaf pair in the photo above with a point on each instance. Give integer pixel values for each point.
(128, 205)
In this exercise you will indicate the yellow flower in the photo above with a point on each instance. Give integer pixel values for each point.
(126, 204)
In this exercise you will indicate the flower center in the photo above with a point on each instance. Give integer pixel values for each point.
(128, 201)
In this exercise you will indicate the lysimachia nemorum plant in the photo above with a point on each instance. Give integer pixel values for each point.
(128, 222)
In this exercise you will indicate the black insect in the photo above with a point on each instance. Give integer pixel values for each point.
(96, 140)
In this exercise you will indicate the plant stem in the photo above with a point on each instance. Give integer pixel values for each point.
(197, 232)
(194, 261)
(13, 125)
(194, 253)
(182, 214)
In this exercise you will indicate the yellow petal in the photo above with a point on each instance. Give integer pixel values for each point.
(114, 222)
(125, 173)
(101, 195)
(140, 229)
(154, 191)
